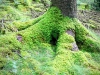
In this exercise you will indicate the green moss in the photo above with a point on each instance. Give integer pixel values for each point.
(23, 25)
(51, 23)
(3, 61)
(94, 72)
(85, 39)
(3, 72)
(2, 14)
(21, 8)
(12, 40)
(68, 62)
(84, 6)
(36, 46)
(5, 51)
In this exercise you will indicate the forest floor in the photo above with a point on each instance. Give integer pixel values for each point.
(90, 19)
(37, 61)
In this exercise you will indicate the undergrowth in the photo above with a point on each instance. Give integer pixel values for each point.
(34, 54)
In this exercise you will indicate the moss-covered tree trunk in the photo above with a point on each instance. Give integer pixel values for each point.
(80, 34)
(67, 7)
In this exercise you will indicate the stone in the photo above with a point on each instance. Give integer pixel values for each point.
(19, 38)
(74, 47)
(71, 32)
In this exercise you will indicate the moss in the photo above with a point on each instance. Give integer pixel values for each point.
(12, 40)
(22, 8)
(3, 72)
(5, 51)
(94, 72)
(2, 14)
(85, 39)
(46, 26)
(84, 6)
(36, 46)
(3, 61)
(5, 54)
(95, 57)
(23, 25)
(68, 62)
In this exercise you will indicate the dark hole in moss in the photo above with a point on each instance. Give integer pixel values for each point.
(53, 40)
(1, 68)
(54, 37)
(9, 53)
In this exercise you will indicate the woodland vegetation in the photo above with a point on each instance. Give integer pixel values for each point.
(49, 37)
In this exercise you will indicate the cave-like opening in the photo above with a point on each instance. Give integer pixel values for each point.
(54, 39)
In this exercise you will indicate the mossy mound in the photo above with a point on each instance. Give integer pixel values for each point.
(46, 47)
(17, 15)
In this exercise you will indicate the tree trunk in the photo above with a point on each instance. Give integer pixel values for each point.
(67, 7)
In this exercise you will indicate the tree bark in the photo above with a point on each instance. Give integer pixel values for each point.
(67, 7)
